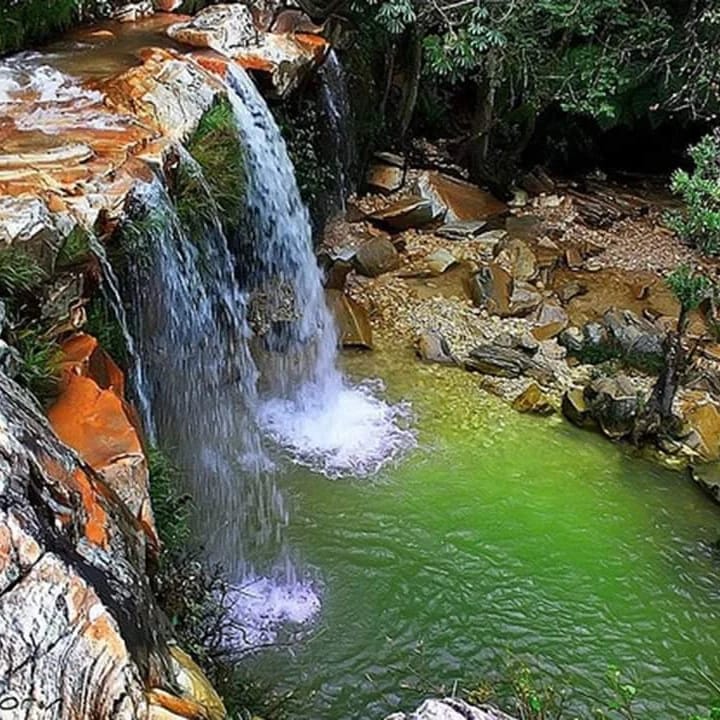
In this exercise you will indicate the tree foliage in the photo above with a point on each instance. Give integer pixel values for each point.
(699, 223)
(614, 61)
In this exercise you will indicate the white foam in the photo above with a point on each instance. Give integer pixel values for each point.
(261, 607)
(349, 432)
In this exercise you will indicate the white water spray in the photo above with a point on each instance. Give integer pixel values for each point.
(307, 406)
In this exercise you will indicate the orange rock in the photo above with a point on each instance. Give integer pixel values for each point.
(254, 62)
(211, 61)
(183, 707)
(82, 355)
(93, 422)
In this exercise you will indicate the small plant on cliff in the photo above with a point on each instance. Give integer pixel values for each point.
(40, 362)
(19, 273)
(699, 223)
(103, 325)
(216, 147)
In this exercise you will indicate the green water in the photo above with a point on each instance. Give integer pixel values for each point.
(503, 536)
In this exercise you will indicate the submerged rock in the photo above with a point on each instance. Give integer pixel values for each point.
(431, 347)
(451, 709)
(533, 400)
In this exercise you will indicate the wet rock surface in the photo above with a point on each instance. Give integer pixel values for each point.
(451, 709)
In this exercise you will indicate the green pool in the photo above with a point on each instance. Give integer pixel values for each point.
(502, 537)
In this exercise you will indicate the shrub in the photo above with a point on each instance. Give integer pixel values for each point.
(40, 361)
(699, 223)
(103, 325)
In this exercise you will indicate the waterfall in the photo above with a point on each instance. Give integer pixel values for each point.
(307, 406)
(111, 292)
(336, 102)
(191, 333)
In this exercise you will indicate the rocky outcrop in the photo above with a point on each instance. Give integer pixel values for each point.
(451, 709)
(92, 416)
(287, 57)
(81, 634)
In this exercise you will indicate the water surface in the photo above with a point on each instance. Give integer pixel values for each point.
(502, 536)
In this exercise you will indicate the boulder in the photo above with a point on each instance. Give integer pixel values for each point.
(548, 321)
(352, 320)
(638, 341)
(411, 212)
(98, 425)
(27, 225)
(451, 709)
(533, 400)
(575, 409)
(375, 257)
(491, 288)
(463, 230)
(497, 360)
(384, 178)
(456, 200)
(703, 419)
(613, 403)
(82, 636)
(500, 361)
(524, 299)
(708, 478)
(518, 259)
(440, 261)
(570, 290)
(431, 347)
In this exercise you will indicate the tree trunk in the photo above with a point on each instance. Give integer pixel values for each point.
(412, 87)
(657, 416)
(483, 120)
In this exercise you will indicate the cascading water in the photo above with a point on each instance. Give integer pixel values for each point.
(336, 103)
(111, 291)
(192, 335)
(307, 406)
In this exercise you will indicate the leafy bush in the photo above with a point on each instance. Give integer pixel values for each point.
(103, 325)
(689, 287)
(699, 224)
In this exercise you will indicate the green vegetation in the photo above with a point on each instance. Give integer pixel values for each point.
(75, 248)
(40, 360)
(484, 72)
(19, 273)
(103, 325)
(529, 694)
(699, 224)
(34, 20)
(217, 149)
(20, 280)
(300, 124)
